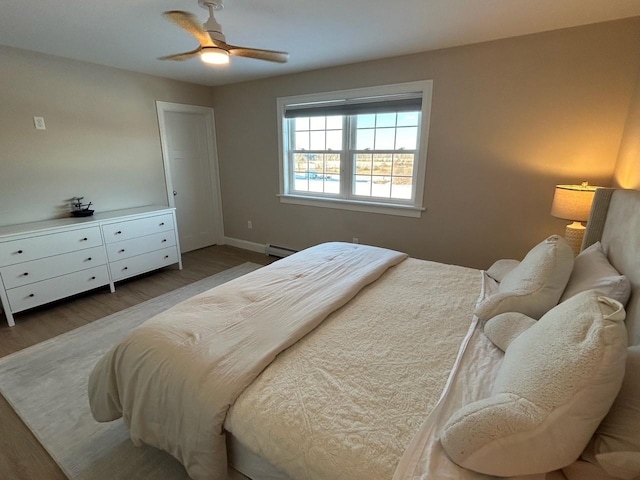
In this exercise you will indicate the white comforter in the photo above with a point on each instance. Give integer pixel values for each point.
(344, 402)
(174, 377)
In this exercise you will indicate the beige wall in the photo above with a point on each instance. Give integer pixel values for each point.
(627, 172)
(510, 119)
(101, 140)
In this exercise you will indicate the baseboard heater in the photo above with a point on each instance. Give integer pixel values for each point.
(278, 251)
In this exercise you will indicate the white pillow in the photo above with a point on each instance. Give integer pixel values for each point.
(535, 285)
(616, 444)
(506, 327)
(582, 470)
(557, 381)
(592, 270)
(500, 268)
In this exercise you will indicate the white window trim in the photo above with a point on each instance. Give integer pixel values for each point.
(374, 206)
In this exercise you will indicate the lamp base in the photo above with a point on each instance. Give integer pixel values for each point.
(573, 234)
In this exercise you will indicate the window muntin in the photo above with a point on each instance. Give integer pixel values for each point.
(316, 156)
(363, 156)
(317, 172)
(384, 155)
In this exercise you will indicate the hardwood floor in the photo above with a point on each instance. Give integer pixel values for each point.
(21, 455)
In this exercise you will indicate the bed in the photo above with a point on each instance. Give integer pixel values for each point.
(345, 362)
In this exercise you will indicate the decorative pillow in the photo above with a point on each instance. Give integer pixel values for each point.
(624, 465)
(592, 270)
(582, 470)
(506, 327)
(535, 285)
(500, 268)
(616, 444)
(557, 381)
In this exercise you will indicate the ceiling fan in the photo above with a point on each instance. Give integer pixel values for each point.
(213, 45)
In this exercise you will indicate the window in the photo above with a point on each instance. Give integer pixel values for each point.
(361, 149)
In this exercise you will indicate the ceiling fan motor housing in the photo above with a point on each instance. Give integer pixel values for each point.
(214, 30)
(211, 26)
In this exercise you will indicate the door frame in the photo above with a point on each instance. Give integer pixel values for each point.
(214, 173)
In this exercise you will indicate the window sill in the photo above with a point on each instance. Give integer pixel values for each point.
(357, 206)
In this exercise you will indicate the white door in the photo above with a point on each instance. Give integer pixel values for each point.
(187, 134)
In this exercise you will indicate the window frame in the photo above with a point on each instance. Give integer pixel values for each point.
(348, 200)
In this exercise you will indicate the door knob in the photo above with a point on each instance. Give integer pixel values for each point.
(175, 193)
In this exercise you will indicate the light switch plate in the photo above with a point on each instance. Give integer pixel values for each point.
(39, 123)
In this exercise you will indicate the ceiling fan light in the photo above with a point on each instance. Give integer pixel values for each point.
(214, 55)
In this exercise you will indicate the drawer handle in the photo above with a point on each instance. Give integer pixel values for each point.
(163, 240)
(19, 251)
(126, 268)
(162, 224)
(121, 251)
(25, 273)
(89, 259)
(118, 232)
(84, 239)
(166, 256)
(92, 278)
(31, 295)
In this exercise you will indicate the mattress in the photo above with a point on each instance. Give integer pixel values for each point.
(346, 400)
(250, 465)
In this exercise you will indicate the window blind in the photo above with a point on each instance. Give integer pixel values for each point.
(410, 102)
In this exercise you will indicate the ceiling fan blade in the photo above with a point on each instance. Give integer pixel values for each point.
(190, 23)
(182, 56)
(268, 55)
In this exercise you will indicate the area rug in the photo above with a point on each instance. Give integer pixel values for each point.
(47, 386)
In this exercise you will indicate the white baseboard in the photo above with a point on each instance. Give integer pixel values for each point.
(245, 244)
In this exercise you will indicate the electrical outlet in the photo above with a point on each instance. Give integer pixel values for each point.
(355, 240)
(39, 123)
(249, 224)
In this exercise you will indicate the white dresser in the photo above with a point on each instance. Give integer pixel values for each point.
(45, 261)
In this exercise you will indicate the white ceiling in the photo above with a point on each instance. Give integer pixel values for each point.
(131, 34)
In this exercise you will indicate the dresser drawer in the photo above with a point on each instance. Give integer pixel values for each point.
(28, 296)
(117, 232)
(143, 263)
(138, 246)
(18, 251)
(43, 268)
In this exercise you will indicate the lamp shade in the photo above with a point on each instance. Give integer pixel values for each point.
(573, 202)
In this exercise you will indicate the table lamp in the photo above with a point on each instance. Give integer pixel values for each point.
(573, 202)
